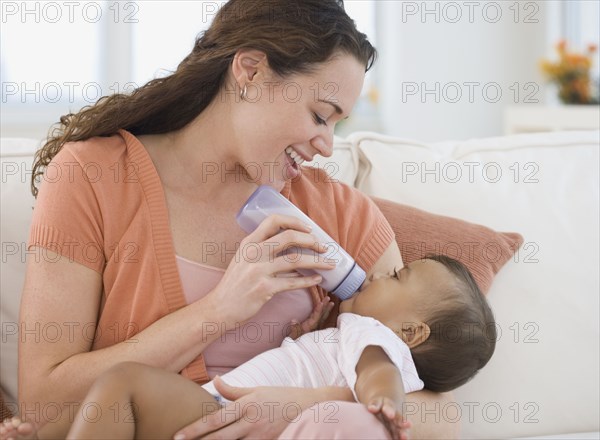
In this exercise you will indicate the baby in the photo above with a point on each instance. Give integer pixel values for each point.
(426, 325)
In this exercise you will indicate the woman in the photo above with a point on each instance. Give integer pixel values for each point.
(136, 218)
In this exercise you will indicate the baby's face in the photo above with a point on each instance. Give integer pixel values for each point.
(402, 295)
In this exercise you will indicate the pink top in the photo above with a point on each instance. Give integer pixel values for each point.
(264, 331)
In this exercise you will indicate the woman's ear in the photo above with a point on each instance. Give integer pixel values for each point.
(414, 333)
(247, 63)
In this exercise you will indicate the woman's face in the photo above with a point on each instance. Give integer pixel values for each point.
(294, 117)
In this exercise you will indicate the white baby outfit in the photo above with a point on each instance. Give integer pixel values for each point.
(324, 358)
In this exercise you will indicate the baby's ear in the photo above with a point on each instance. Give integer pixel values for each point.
(414, 333)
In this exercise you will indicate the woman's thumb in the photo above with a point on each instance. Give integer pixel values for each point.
(228, 391)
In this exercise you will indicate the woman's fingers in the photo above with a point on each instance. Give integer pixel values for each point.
(229, 391)
(280, 245)
(283, 284)
(273, 224)
(207, 424)
(224, 421)
(284, 243)
(242, 418)
(238, 429)
(231, 421)
(288, 263)
(282, 232)
(276, 278)
(290, 241)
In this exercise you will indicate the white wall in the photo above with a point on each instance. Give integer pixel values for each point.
(421, 51)
(422, 45)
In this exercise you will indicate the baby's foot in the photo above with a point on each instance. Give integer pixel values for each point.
(15, 429)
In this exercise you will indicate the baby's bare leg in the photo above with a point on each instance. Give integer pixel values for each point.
(128, 401)
(137, 401)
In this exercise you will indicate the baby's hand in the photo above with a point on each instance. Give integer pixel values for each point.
(390, 415)
(314, 321)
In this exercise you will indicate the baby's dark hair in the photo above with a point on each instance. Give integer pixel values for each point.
(463, 333)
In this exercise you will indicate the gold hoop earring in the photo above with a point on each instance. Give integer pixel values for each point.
(244, 92)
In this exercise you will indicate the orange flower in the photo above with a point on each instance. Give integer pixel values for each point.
(571, 73)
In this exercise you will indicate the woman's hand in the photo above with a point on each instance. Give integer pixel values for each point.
(259, 412)
(318, 316)
(251, 277)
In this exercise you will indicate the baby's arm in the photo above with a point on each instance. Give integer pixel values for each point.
(379, 386)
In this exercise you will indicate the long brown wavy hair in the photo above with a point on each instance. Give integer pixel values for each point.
(295, 35)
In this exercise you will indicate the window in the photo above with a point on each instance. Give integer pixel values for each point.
(365, 113)
(39, 55)
(52, 62)
(157, 48)
(156, 52)
(363, 14)
(581, 26)
(57, 57)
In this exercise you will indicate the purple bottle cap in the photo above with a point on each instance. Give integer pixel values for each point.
(351, 283)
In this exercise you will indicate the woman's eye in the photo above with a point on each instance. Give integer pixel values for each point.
(319, 120)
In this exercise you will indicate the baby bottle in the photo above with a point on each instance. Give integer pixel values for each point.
(343, 280)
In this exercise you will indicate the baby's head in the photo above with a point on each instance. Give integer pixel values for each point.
(435, 306)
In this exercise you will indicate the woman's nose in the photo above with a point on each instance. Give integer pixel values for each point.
(324, 142)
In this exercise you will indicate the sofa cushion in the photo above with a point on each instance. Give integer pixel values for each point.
(16, 160)
(545, 299)
(418, 233)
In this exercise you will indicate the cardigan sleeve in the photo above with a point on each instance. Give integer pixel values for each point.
(346, 214)
(361, 227)
(67, 218)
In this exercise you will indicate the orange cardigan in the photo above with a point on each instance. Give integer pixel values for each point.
(101, 204)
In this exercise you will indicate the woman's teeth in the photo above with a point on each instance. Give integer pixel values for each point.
(295, 156)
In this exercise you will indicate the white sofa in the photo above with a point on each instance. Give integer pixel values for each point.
(543, 378)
